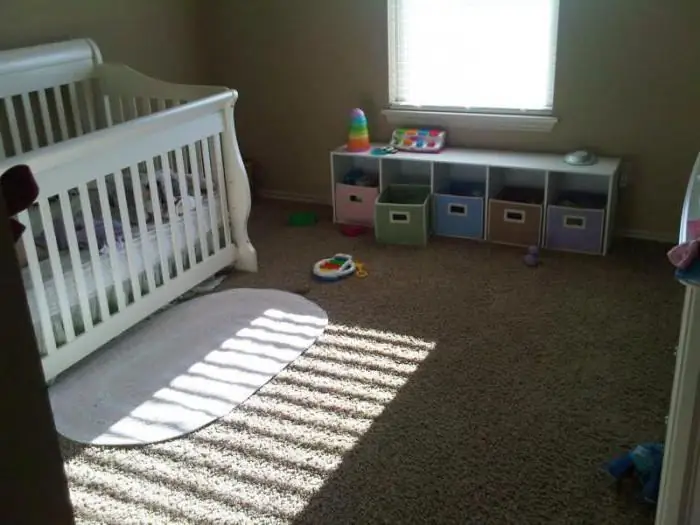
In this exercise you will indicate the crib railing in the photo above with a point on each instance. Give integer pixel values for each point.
(97, 97)
(35, 119)
(46, 95)
(128, 219)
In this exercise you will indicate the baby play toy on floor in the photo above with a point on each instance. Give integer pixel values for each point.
(334, 268)
(338, 267)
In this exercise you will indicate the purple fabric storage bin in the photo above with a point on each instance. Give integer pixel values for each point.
(575, 229)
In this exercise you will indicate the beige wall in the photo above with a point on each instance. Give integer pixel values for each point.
(628, 83)
(155, 36)
(628, 79)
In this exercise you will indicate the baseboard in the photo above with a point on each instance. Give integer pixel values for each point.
(667, 238)
(294, 197)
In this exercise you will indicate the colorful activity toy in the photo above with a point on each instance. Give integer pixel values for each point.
(358, 137)
(418, 140)
(334, 268)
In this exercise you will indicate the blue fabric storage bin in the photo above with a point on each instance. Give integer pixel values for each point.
(459, 216)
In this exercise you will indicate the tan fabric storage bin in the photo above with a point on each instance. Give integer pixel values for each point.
(515, 217)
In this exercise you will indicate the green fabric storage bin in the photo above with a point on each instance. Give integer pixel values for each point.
(402, 215)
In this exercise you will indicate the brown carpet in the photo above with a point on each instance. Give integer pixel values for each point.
(454, 385)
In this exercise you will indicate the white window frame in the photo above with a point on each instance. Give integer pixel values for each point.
(446, 117)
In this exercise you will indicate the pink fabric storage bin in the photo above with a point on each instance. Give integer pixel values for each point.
(355, 204)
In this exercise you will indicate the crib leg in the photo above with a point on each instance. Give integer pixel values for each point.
(239, 201)
(247, 260)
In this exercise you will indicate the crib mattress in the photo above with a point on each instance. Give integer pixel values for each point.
(170, 236)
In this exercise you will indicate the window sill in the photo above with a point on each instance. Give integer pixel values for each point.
(479, 121)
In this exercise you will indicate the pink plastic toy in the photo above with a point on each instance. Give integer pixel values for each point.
(683, 255)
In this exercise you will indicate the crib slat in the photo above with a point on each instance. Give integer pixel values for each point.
(111, 243)
(119, 110)
(126, 109)
(41, 303)
(145, 108)
(75, 106)
(89, 104)
(133, 109)
(57, 270)
(94, 250)
(106, 104)
(219, 164)
(172, 214)
(144, 235)
(62, 122)
(29, 116)
(160, 105)
(12, 122)
(128, 239)
(187, 215)
(46, 117)
(158, 220)
(76, 263)
(3, 153)
(211, 199)
(199, 205)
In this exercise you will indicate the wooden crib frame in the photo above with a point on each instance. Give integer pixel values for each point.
(76, 121)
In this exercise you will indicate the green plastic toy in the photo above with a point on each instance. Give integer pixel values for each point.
(306, 218)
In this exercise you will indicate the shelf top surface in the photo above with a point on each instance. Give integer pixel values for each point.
(606, 166)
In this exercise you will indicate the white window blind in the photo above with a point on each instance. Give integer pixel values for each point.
(473, 55)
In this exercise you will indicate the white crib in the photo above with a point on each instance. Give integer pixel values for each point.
(143, 192)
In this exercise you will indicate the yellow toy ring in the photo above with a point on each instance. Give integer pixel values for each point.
(360, 270)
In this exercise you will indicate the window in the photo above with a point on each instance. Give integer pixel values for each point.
(475, 56)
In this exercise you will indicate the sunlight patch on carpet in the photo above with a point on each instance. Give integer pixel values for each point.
(266, 459)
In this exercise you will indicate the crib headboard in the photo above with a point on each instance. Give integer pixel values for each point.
(59, 63)
(41, 87)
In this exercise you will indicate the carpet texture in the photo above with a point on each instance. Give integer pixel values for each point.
(184, 367)
(452, 385)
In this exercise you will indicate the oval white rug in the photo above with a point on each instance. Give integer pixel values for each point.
(184, 367)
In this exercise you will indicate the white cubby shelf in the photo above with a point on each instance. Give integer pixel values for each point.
(504, 197)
